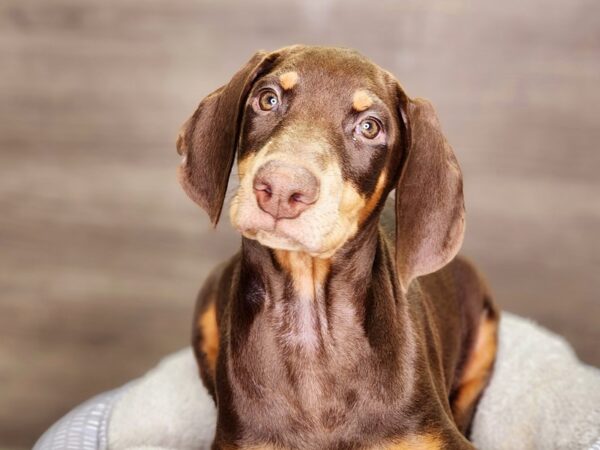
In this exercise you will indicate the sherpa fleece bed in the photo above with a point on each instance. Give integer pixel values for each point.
(540, 397)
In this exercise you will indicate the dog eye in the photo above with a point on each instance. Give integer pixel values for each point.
(268, 100)
(369, 128)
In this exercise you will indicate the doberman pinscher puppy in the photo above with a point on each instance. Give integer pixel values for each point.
(337, 325)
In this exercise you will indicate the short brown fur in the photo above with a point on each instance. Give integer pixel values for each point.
(376, 336)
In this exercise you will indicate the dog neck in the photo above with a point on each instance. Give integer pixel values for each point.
(299, 336)
(314, 303)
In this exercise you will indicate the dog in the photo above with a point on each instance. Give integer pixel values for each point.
(345, 321)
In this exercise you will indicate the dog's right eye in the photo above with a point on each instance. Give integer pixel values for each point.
(369, 128)
(268, 100)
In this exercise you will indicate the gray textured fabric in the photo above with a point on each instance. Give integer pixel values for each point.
(83, 428)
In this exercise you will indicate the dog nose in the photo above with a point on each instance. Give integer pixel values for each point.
(285, 191)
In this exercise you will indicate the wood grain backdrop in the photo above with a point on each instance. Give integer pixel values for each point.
(101, 253)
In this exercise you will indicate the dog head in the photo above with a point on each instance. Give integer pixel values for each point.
(322, 136)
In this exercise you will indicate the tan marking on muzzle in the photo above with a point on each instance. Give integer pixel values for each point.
(349, 210)
(361, 101)
(374, 199)
(352, 202)
(245, 164)
(288, 80)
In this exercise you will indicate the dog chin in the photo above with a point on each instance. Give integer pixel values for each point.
(282, 235)
(278, 241)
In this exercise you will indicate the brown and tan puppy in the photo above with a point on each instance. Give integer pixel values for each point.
(324, 332)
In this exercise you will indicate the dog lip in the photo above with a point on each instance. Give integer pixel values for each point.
(253, 231)
(281, 235)
(253, 228)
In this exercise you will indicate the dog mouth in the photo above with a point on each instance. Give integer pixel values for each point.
(274, 237)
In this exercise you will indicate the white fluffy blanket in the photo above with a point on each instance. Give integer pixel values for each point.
(540, 397)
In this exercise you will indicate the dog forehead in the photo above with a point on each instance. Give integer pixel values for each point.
(334, 73)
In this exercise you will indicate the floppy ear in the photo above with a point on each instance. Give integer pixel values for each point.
(430, 214)
(208, 140)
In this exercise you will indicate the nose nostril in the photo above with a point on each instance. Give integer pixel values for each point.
(263, 187)
(296, 197)
(284, 191)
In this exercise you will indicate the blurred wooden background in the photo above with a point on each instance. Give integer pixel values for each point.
(101, 253)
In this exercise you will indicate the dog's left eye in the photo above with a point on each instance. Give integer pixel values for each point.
(268, 100)
(369, 128)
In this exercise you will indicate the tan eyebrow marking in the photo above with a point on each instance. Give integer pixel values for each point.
(361, 100)
(288, 80)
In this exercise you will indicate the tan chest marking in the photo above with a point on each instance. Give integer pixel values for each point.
(308, 273)
(308, 276)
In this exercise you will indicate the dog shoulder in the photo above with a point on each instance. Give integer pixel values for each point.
(210, 305)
